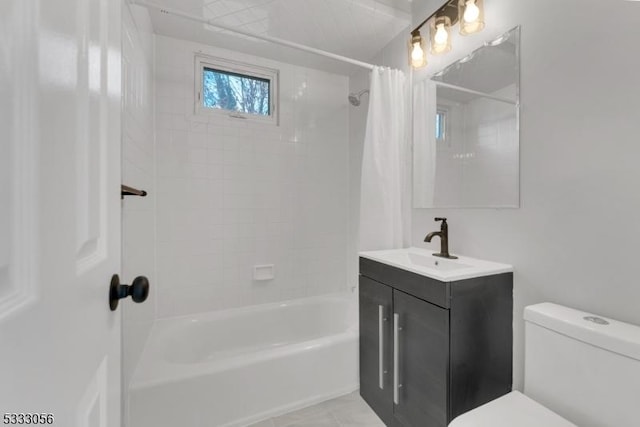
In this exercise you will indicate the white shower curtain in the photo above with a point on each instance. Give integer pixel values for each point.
(385, 197)
(424, 143)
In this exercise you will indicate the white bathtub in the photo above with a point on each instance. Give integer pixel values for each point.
(240, 366)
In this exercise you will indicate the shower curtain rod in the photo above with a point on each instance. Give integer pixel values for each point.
(276, 40)
(475, 92)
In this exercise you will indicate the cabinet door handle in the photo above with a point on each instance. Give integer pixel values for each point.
(396, 359)
(381, 321)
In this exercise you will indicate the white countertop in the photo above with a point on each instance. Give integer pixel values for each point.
(422, 262)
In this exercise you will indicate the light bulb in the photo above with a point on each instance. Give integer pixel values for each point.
(442, 35)
(471, 11)
(417, 53)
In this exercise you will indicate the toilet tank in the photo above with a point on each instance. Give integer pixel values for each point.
(584, 367)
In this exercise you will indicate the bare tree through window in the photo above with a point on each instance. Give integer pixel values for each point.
(236, 92)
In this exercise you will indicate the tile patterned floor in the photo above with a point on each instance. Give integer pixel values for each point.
(346, 411)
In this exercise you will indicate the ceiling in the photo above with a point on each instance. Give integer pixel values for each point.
(354, 28)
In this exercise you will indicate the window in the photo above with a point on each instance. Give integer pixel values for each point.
(441, 125)
(237, 90)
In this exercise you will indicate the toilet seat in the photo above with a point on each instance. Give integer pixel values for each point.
(513, 409)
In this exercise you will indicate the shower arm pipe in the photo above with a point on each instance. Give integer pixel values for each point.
(266, 38)
(475, 92)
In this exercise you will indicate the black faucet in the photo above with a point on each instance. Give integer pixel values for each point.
(444, 239)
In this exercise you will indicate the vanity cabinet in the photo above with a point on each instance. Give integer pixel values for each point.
(432, 350)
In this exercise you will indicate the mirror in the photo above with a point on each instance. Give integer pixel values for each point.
(466, 130)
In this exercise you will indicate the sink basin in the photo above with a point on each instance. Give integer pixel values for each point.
(440, 264)
(422, 261)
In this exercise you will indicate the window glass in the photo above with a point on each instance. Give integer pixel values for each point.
(236, 92)
(441, 117)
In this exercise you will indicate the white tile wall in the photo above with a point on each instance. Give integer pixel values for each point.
(138, 170)
(233, 194)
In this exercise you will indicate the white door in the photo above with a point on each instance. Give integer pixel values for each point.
(59, 211)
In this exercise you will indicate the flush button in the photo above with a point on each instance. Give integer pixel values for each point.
(597, 320)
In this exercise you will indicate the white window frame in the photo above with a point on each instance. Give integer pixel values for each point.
(203, 61)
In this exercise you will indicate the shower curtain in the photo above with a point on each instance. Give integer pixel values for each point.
(385, 196)
(424, 143)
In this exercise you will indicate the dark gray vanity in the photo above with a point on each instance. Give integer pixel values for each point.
(433, 348)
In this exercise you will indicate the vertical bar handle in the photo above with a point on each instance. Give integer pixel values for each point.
(396, 359)
(381, 321)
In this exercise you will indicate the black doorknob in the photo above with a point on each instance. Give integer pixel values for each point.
(138, 290)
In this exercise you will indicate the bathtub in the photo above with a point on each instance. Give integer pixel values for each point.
(236, 367)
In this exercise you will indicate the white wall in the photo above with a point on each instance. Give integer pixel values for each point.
(138, 170)
(233, 194)
(574, 239)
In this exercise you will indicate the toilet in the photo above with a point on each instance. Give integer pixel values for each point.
(580, 370)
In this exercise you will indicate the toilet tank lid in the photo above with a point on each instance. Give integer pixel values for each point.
(612, 335)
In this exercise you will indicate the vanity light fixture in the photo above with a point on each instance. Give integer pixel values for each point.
(470, 15)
